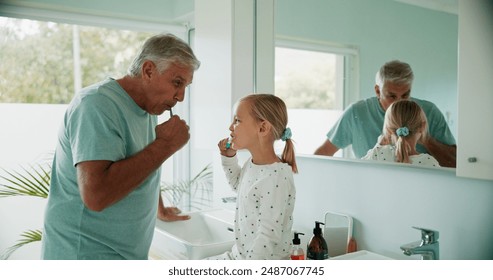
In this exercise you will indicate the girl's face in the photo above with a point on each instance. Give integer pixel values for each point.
(244, 128)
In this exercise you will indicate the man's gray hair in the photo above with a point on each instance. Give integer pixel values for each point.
(163, 50)
(395, 72)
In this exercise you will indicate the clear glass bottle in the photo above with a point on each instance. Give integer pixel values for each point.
(297, 252)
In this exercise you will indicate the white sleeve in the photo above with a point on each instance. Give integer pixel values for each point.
(232, 170)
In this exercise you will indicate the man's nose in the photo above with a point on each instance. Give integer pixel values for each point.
(180, 95)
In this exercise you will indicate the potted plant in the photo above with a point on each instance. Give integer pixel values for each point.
(35, 181)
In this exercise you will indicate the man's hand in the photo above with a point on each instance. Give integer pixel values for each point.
(171, 214)
(175, 133)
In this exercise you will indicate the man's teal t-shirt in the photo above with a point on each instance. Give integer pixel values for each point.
(362, 123)
(101, 123)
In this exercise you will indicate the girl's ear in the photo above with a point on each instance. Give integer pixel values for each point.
(422, 128)
(264, 128)
(422, 134)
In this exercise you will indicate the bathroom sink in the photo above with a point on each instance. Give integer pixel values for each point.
(361, 255)
(207, 233)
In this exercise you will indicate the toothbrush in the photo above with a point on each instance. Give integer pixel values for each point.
(170, 112)
(228, 144)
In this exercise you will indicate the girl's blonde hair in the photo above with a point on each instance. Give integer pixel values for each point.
(271, 108)
(403, 119)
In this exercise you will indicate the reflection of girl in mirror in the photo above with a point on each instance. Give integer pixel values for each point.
(404, 125)
(264, 185)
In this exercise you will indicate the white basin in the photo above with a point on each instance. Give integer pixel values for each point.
(361, 255)
(207, 233)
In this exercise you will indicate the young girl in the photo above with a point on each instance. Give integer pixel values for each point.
(265, 186)
(405, 124)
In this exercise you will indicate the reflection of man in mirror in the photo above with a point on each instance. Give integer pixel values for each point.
(362, 122)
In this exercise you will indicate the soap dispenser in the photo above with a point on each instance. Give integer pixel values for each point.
(317, 247)
(297, 252)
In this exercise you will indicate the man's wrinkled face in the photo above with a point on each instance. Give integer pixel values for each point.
(391, 93)
(166, 89)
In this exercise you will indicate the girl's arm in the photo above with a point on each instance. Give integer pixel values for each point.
(232, 170)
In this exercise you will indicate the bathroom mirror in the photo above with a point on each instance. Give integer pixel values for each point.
(365, 35)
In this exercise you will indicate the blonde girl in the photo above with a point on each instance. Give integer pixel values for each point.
(404, 126)
(264, 185)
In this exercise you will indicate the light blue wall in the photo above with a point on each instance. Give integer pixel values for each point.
(383, 30)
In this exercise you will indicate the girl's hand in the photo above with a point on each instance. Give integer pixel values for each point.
(228, 152)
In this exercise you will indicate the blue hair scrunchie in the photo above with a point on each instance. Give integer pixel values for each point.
(402, 131)
(286, 135)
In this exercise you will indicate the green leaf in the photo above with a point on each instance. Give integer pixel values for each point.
(199, 188)
(29, 237)
(34, 181)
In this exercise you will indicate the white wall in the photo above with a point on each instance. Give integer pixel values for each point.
(475, 89)
(386, 200)
(28, 134)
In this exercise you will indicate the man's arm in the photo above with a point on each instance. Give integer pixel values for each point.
(103, 183)
(326, 149)
(446, 155)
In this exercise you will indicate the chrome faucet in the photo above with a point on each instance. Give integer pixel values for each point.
(427, 247)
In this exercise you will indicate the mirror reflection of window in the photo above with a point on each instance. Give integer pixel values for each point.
(313, 83)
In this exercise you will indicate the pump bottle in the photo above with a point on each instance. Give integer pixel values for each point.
(296, 251)
(317, 247)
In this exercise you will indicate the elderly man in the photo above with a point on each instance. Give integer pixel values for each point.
(105, 194)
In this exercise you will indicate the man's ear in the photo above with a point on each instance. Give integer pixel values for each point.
(377, 91)
(148, 69)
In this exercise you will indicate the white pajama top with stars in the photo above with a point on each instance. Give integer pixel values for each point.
(387, 153)
(264, 209)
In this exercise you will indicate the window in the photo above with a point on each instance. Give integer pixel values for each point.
(308, 79)
(46, 62)
(43, 65)
(313, 81)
